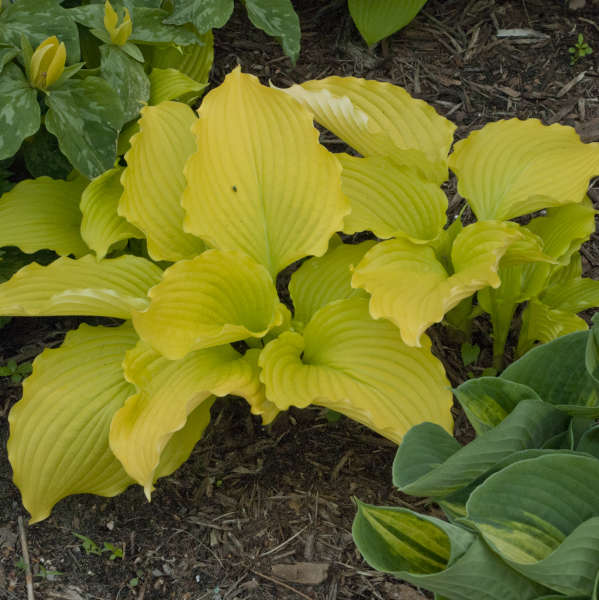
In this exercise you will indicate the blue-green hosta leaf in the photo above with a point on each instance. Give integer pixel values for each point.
(378, 19)
(127, 77)
(541, 515)
(204, 14)
(37, 20)
(436, 555)
(19, 110)
(557, 372)
(488, 400)
(86, 115)
(324, 279)
(167, 392)
(109, 288)
(355, 365)
(43, 213)
(529, 425)
(59, 431)
(101, 226)
(278, 19)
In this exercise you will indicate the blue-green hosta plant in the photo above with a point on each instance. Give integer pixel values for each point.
(522, 499)
(80, 74)
(425, 272)
(225, 202)
(378, 19)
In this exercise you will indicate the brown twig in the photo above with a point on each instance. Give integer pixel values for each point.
(278, 582)
(28, 576)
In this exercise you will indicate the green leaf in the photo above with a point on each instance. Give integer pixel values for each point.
(7, 53)
(469, 353)
(127, 77)
(37, 20)
(540, 515)
(19, 110)
(170, 84)
(377, 19)
(529, 425)
(85, 115)
(204, 14)
(278, 19)
(557, 372)
(43, 157)
(488, 400)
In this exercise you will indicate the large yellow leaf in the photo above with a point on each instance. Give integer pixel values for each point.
(170, 84)
(168, 392)
(411, 287)
(101, 225)
(381, 119)
(260, 182)
(390, 200)
(43, 213)
(109, 288)
(216, 298)
(378, 19)
(360, 367)
(153, 181)
(324, 279)
(511, 168)
(59, 431)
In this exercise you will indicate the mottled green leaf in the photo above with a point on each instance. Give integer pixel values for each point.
(278, 19)
(19, 110)
(43, 157)
(7, 53)
(127, 77)
(37, 20)
(204, 14)
(85, 115)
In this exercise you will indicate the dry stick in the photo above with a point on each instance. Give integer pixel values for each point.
(28, 577)
(277, 582)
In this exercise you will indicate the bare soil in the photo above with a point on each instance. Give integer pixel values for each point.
(266, 513)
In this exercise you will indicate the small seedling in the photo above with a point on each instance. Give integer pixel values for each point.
(16, 372)
(579, 50)
(90, 547)
(115, 552)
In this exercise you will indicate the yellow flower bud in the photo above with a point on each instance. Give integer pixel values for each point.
(47, 63)
(118, 34)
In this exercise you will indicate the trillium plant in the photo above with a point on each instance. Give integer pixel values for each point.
(221, 202)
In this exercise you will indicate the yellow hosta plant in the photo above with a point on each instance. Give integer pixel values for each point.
(223, 201)
(422, 271)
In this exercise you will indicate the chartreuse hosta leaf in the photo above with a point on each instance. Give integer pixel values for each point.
(391, 200)
(153, 181)
(502, 168)
(43, 213)
(321, 280)
(542, 516)
(170, 84)
(168, 391)
(411, 287)
(378, 19)
(101, 226)
(216, 298)
(59, 431)
(109, 288)
(357, 366)
(381, 119)
(436, 555)
(260, 182)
